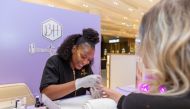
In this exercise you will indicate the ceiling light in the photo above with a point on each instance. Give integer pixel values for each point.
(85, 5)
(123, 23)
(142, 13)
(115, 3)
(130, 9)
(125, 18)
(134, 26)
(151, 0)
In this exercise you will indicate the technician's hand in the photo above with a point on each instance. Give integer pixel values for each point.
(88, 81)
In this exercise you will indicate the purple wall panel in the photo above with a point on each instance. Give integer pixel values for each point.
(20, 25)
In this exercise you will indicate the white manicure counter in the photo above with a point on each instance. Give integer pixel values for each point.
(81, 102)
(86, 101)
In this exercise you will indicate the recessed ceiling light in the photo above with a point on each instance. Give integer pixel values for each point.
(142, 13)
(115, 3)
(125, 18)
(151, 0)
(134, 26)
(85, 5)
(123, 23)
(130, 9)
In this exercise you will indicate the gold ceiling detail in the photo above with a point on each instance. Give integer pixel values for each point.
(118, 17)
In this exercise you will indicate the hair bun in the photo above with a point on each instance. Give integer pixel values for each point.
(91, 35)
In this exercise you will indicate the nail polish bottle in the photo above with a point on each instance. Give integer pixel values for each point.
(37, 103)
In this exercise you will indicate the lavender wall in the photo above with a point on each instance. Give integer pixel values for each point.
(20, 25)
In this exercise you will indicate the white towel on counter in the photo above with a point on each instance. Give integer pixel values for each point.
(101, 103)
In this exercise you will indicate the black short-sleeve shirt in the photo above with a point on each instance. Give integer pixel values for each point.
(142, 101)
(59, 71)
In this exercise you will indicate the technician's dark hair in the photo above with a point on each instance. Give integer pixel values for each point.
(89, 36)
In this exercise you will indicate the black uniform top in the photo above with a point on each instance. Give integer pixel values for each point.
(59, 71)
(142, 101)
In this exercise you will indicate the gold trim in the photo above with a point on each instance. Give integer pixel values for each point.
(108, 71)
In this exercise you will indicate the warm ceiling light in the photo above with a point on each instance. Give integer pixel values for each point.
(142, 13)
(125, 18)
(134, 26)
(123, 23)
(130, 9)
(85, 5)
(151, 0)
(115, 3)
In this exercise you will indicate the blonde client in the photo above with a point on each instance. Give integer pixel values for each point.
(165, 51)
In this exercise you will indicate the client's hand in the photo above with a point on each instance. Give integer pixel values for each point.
(96, 92)
(111, 94)
(88, 81)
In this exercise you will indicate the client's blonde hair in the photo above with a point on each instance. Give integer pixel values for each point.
(165, 44)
